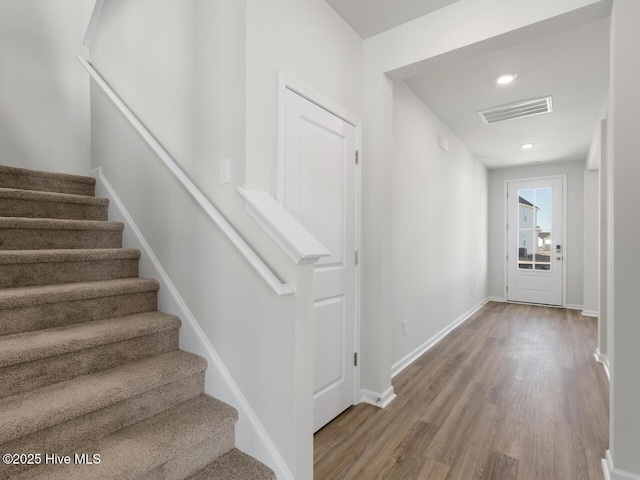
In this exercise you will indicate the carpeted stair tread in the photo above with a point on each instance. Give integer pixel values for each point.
(37, 204)
(20, 233)
(11, 257)
(22, 178)
(67, 177)
(32, 411)
(52, 197)
(30, 346)
(59, 224)
(67, 292)
(132, 451)
(234, 465)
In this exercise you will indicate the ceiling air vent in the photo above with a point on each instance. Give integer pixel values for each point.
(528, 108)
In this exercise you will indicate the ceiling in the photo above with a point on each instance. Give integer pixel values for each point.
(572, 66)
(370, 17)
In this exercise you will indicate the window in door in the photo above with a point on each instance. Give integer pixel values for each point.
(534, 229)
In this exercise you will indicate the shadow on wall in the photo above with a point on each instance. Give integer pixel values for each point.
(44, 95)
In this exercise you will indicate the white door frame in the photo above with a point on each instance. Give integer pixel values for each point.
(286, 82)
(563, 177)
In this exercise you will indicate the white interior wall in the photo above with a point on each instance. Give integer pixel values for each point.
(591, 269)
(573, 257)
(309, 41)
(624, 283)
(438, 226)
(44, 93)
(604, 322)
(180, 68)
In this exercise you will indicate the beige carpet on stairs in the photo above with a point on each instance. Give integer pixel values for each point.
(89, 368)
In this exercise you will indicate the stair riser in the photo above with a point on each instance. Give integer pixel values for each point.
(11, 207)
(194, 459)
(30, 239)
(69, 437)
(33, 274)
(50, 315)
(37, 374)
(43, 184)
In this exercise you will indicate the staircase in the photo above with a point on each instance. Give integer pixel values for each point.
(87, 363)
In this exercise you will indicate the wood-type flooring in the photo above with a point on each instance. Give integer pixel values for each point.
(514, 393)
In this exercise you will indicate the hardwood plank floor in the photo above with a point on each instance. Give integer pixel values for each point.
(514, 393)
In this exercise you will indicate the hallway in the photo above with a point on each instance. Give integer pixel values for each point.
(513, 393)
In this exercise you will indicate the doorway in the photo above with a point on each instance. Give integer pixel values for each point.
(318, 182)
(535, 266)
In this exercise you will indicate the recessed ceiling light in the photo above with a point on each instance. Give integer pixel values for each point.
(505, 79)
(527, 146)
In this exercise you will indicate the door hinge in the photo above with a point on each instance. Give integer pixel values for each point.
(355, 359)
(507, 288)
(507, 226)
(357, 258)
(357, 157)
(507, 258)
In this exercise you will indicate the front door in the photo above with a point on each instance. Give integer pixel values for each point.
(320, 191)
(535, 242)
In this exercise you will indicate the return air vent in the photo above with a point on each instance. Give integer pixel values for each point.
(517, 110)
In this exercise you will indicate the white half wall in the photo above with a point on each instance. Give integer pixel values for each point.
(251, 328)
(438, 226)
(44, 95)
(574, 251)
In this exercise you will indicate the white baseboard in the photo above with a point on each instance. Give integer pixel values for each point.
(604, 360)
(571, 306)
(411, 357)
(590, 313)
(612, 473)
(378, 399)
(496, 299)
(251, 437)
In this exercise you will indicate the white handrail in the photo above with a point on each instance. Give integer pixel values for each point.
(263, 270)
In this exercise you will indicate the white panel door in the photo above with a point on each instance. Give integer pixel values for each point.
(535, 241)
(320, 191)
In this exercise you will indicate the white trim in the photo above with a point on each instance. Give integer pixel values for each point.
(283, 228)
(590, 313)
(358, 272)
(604, 360)
(286, 82)
(565, 196)
(513, 302)
(251, 436)
(378, 399)
(612, 473)
(407, 360)
(94, 22)
(571, 306)
(496, 299)
(254, 260)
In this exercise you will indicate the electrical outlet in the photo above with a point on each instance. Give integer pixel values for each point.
(404, 326)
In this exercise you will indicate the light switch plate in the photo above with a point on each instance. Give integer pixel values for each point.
(225, 171)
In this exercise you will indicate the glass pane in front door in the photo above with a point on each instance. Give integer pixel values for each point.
(534, 229)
